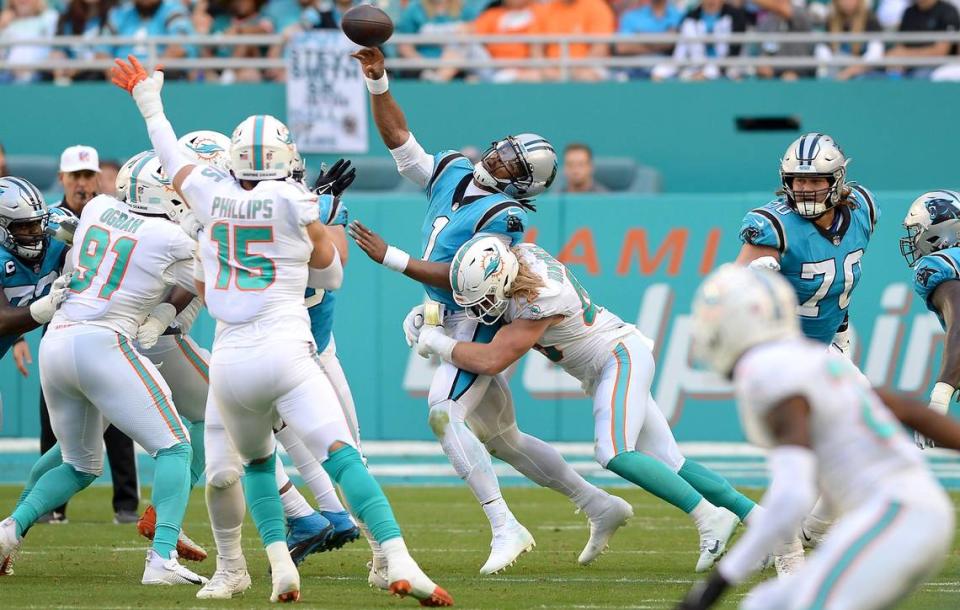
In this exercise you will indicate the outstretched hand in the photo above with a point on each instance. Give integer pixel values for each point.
(132, 77)
(371, 243)
(336, 179)
(128, 74)
(371, 62)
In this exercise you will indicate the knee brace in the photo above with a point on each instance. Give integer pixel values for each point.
(223, 477)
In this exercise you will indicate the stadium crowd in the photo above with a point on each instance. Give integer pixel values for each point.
(30, 19)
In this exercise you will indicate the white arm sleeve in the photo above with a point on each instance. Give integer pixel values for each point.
(789, 499)
(164, 142)
(328, 278)
(180, 274)
(413, 163)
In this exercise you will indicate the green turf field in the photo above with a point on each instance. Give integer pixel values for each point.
(91, 563)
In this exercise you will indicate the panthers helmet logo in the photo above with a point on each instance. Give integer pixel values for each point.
(924, 274)
(942, 209)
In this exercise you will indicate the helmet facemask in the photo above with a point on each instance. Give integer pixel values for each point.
(27, 238)
(504, 162)
(812, 204)
(488, 310)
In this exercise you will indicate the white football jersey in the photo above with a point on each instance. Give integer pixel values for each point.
(581, 343)
(123, 265)
(860, 446)
(254, 247)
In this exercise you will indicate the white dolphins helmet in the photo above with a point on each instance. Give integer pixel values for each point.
(207, 148)
(739, 307)
(932, 223)
(261, 149)
(481, 275)
(21, 203)
(814, 155)
(521, 166)
(143, 185)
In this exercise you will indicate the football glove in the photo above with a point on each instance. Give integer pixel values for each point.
(765, 262)
(433, 341)
(42, 309)
(336, 179)
(412, 325)
(145, 89)
(155, 325)
(63, 228)
(940, 399)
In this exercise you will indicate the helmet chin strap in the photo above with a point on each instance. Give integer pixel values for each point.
(484, 177)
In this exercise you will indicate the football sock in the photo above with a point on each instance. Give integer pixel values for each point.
(311, 470)
(49, 460)
(655, 477)
(260, 489)
(498, 513)
(294, 504)
(55, 487)
(716, 489)
(197, 464)
(171, 492)
(225, 506)
(362, 493)
(542, 463)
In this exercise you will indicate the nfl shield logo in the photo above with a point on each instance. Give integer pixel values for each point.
(84, 156)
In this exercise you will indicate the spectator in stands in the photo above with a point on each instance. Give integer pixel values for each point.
(108, 177)
(657, 17)
(24, 19)
(86, 18)
(449, 17)
(143, 19)
(784, 16)
(312, 15)
(518, 17)
(927, 16)
(578, 17)
(851, 16)
(578, 170)
(710, 17)
(243, 17)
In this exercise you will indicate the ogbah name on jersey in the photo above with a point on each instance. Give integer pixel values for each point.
(246, 209)
(120, 220)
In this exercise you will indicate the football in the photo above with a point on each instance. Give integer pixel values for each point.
(367, 25)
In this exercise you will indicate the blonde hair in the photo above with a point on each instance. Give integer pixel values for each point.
(857, 21)
(527, 284)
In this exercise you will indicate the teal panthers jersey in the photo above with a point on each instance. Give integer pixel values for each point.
(933, 270)
(453, 218)
(823, 270)
(25, 282)
(320, 302)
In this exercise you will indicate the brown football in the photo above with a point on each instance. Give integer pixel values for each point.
(367, 25)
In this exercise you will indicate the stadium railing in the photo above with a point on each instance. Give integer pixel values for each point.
(564, 61)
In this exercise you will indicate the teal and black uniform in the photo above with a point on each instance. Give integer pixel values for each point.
(320, 302)
(933, 270)
(822, 266)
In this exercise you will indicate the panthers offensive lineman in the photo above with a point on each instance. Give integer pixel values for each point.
(814, 234)
(932, 247)
(827, 432)
(464, 200)
(262, 244)
(544, 307)
(127, 255)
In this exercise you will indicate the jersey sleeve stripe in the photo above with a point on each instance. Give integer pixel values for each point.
(777, 227)
(492, 213)
(871, 207)
(949, 261)
(444, 163)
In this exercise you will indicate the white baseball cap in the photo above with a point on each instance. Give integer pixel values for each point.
(79, 158)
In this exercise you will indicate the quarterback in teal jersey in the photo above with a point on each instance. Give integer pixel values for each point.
(932, 247)
(466, 409)
(815, 234)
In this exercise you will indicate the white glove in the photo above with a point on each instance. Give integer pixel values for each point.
(841, 342)
(42, 309)
(156, 323)
(433, 341)
(765, 262)
(65, 228)
(940, 399)
(412, 325)
(147, 95)
(190, 224)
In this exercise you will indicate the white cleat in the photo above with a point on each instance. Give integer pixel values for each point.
(286, 582)
(790, 559)
(227, 582)
(813, 531)
(9, 546)
(406, 578)
(160, 571)
(714, 537)
(509, 542)
(378, 578)
(604, 525)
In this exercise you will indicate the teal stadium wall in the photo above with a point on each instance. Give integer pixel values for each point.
(640, 256)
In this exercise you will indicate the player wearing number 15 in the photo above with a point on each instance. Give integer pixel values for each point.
(261, 245)
(125, 257)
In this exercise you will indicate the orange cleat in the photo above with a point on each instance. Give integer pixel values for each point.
(186, 548)
(439, 598)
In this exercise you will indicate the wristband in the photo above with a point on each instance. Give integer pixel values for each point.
(940, 397)
(444, 347)
(396, 259)
(377, 86)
